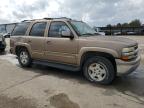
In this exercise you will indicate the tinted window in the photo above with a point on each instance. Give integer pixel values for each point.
(2, 29)
(56, 28)
(10, 27)
(20, 28)
(38, 29)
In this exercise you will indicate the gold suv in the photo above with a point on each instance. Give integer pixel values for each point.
(73, 45)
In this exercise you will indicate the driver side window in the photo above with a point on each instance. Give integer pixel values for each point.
(56, 29)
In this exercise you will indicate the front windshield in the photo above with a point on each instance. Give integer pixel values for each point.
(82, 28)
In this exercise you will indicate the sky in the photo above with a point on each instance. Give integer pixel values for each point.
(94, 12)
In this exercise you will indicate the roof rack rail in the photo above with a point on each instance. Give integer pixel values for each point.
(24, 20)
(27, 20)
(48, 19)
(57, 18)
(30, 20)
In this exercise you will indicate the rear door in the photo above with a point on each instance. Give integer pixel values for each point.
(18, 34)
(36, 38)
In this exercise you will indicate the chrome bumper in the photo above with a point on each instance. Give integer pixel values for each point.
(124, 68)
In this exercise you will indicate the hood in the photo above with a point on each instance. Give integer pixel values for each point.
(112, 39)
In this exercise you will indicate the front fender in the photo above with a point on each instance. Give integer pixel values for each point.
(95, 49)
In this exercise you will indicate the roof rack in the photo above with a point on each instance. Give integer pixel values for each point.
(48, 19)
(24, 20)
(58, 18)
(28, 20)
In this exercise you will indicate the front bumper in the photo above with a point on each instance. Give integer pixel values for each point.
(124, 68)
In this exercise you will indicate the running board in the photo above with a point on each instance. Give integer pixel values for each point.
(57, 65)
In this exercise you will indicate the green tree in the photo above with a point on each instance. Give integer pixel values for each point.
(135, 23)
(125, 25)
(109, 25)
(119, 25)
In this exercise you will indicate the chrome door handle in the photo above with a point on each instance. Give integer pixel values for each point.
(29, 41)
(48, 42)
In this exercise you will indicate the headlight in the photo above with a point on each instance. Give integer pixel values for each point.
(126, 50)
(129, 53)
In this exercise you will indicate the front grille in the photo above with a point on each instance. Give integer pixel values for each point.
(131, 52)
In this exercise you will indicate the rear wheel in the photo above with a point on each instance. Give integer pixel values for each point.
(99, 70)
(24, 58)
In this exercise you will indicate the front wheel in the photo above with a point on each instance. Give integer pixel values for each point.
(24, 58)
(99, 69)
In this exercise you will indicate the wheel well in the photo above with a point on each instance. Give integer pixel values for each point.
(18, 48)
(102, 54)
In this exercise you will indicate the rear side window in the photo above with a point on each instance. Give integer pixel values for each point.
(38, 29)
(10, 27)
(20, 28)
(2, 29)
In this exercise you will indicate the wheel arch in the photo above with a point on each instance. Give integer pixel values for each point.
(19, 47)
(89, 54)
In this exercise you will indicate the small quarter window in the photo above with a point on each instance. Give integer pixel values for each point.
(20, 28)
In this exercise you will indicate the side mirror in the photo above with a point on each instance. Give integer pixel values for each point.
(67, 34)
(7, 35)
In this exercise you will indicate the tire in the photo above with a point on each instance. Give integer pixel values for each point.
(99, 70)
(24, 58)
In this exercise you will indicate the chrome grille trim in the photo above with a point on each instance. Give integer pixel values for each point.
(133, 53)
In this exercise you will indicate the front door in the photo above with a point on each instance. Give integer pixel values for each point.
(60, 49)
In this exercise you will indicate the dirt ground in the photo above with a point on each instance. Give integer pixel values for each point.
(45, 87)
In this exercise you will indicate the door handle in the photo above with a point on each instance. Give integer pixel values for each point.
(48, 42)
(29, 41)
